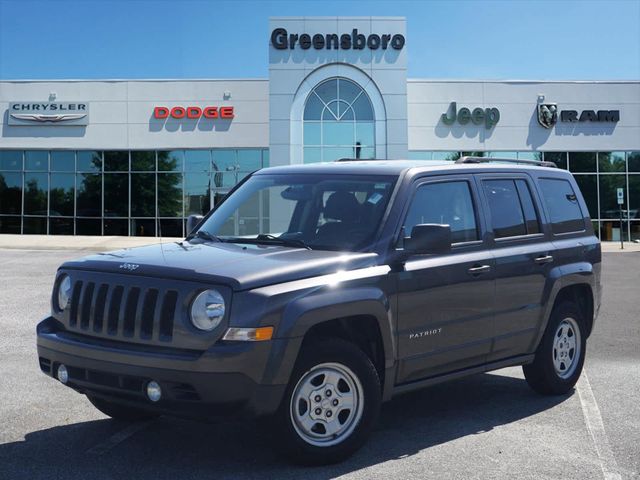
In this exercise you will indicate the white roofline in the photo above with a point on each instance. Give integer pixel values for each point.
(462, 80)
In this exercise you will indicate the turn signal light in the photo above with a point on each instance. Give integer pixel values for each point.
(248, 334)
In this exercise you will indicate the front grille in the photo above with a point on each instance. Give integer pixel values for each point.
(122, 311)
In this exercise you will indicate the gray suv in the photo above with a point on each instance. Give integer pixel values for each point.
(312, 294)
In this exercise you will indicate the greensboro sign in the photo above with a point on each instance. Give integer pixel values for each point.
(283, 40)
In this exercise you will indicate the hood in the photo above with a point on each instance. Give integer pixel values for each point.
(240, 266)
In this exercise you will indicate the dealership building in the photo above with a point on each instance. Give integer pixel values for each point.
(136, 157)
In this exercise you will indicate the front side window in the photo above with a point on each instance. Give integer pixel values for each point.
(341, 212)
(338, 122)
(562, 204)
(447, 203)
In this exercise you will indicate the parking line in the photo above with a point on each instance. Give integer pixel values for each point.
(118, 437)
(595, 425)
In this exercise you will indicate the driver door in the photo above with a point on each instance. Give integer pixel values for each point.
(445, 302)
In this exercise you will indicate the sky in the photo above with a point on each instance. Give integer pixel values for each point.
(454, 39)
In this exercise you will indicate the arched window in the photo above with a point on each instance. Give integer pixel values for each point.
(338, 122)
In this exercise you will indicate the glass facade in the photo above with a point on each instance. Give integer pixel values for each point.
(598, 174)
(137, 193)
(338, 122)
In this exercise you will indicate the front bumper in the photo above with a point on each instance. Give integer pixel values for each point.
(225, 379)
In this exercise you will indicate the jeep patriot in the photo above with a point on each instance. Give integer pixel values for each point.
(311, 294)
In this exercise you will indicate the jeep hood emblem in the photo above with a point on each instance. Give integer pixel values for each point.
(129, 266)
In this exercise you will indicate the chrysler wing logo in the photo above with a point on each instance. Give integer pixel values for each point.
(129, 266)
(547, 114)
(43, 117)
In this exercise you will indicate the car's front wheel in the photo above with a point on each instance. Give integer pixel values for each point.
(331, 403)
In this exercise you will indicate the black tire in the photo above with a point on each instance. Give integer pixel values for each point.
(121, 412)
(339, 353)
(542, 375)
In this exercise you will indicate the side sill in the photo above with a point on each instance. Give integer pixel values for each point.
(508, 362)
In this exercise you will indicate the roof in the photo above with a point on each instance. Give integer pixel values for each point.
(395, 167)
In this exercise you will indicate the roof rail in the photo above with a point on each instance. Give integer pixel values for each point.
(522, 161)
(346, 159)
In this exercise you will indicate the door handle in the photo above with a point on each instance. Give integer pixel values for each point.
(479, 269)
(544, 259)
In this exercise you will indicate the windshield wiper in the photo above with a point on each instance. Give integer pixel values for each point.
(206, 235)
(287, 242)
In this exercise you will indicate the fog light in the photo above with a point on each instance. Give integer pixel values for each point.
(154, 392)
(63, 374)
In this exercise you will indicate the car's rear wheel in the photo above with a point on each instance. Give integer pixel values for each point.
(331, 403)
(120, 412)
(560, 356)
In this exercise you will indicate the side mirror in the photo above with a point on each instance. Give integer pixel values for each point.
(428, 238)
(192, 222)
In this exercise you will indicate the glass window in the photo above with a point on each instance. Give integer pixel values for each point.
(196, 193)
(338, 122)
(143, 194)
(224, 160)
(530, 156)
(143, 227)
(143, 161)
(197, 160)
(37, 160)
(265, 158)
(612, 162)
(10, 224)
(89, 161)
(88, 227)
(88, 196)
(609, 185)
(11, 193)
(61, 226)
(634, 161)
(170, 161)
(634, 196)
(170, 194)
(562, 204)
(10, 160)
(36, 190)
(170, 227)
(116, 226)
(448, 203)
(62, 194)
(507, 219)
(588, 185)
(532, 220)
(446, 156)
(559, 158)
(63, 161)
(419, 155)
(34, 225)
(249, 160)
(116, 161)
(582, 161)
(634, 227)
(513, 155)
(116, 195)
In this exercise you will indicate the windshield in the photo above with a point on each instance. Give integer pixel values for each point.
(340, 212)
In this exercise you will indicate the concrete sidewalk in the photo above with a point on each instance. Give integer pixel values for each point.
(102, 244)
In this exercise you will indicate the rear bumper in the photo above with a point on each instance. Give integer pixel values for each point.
(226, 379)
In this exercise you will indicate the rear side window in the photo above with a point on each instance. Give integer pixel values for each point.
(511, 206)
(562, 204)
(448, 203)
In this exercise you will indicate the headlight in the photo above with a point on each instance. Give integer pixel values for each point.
(207, 310)
(64, 292)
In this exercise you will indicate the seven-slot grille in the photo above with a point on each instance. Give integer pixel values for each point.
(122, 311)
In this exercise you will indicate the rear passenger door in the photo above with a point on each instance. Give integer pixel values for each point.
(445, 302)
(523, 257)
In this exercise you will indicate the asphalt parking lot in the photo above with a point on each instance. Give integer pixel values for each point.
(487, 426)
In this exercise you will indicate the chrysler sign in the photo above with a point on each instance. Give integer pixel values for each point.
(48, 113)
